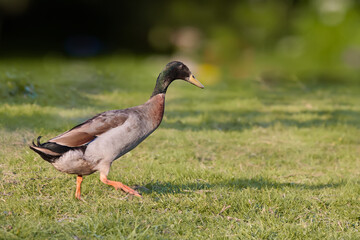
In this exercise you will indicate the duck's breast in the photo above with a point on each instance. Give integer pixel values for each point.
(118, 141)
(141, 122)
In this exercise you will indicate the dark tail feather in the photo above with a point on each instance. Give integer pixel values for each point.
(38, 144)
(48, 157)
(44, 152)
(38, 140)
(51, 151)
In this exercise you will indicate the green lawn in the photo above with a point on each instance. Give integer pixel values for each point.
(240, 159)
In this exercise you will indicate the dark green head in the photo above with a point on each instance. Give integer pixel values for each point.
(173, 71)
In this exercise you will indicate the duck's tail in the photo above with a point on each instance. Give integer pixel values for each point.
(49, 151)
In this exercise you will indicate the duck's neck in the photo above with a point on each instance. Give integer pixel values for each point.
(156, 107)
(162, 83)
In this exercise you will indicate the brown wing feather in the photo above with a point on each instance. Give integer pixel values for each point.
(90, 129)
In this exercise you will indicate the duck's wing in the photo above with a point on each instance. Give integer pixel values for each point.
(90, 129)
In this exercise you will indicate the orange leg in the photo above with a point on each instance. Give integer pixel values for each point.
(119, 185)
(78, 185)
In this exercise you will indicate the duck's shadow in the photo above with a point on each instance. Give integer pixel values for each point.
(201, 186)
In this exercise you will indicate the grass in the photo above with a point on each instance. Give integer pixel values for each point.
(240, 159)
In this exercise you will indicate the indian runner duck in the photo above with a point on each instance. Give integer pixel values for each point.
(94, 144)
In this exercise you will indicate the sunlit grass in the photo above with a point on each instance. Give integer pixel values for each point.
(237, 160)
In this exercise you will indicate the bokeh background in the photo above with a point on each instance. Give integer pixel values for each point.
(278, 40)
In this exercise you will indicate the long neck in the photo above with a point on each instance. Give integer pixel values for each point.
(156, 107)
(162, 84)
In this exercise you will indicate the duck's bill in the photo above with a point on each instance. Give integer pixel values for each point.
(193, 80)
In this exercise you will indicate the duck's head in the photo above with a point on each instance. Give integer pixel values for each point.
(173, 71)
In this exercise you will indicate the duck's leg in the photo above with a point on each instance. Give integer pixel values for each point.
(78, 186)
(118, 185)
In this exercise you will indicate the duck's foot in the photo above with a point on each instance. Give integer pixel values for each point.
(127, 189)
(119, 185)
(78, 187)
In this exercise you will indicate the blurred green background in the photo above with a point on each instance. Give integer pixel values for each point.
(279, 40)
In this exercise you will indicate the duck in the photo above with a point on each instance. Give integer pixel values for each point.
(93, 145)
